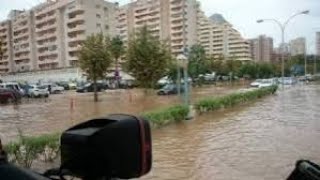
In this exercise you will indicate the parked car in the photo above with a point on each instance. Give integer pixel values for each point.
(89, 88)
(13, 86)
(267, 83)
(64, 84)
(38, 91)
(9, 96)
(26, 88)
(72, 85)
(170, 89)
(54, 88)
(256, 83)
(288, 81)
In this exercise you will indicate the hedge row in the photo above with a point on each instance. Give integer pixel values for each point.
(216, 103)
(27, 149)
(166, 116)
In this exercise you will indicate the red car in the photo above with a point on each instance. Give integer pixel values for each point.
(9, 96)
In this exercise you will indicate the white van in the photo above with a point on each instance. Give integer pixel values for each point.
(13, 86)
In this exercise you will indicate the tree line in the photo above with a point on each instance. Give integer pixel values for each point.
(148, 59)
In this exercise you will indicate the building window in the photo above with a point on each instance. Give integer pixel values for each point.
(98, 16)
(98, 25)
(107, 27)
(98, 6)
(105, 9)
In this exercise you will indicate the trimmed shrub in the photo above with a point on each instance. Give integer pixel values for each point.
(166, 116)
(232, 99)
(27, 149)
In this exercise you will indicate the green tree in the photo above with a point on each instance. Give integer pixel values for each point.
(95, 58)
(197, 62)
(148, 59)
(265, 70)
(248, 70)
(117, 50)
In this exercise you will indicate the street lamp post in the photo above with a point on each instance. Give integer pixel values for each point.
(283, 27)
(183, 62)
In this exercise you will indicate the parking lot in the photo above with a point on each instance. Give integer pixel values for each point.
(59, 111)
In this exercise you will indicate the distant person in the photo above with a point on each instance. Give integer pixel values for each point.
(49, 88)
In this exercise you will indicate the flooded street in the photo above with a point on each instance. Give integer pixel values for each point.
(61, 111)
(260, 141)
(257, 141)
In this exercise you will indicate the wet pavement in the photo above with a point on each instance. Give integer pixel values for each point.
(258, 141)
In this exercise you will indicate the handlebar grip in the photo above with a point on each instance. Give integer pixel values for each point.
(305, 170)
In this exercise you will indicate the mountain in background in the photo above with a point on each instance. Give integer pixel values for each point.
(217, 19)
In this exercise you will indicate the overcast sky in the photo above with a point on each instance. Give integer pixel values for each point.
(242, 14)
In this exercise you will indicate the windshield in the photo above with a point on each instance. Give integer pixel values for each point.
(230, 88)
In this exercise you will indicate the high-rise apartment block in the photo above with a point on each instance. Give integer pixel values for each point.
(49, 35)
(220, 39)
(174, 21)
(297, 46)
(318, 43)
(261, 49)
(6, 47)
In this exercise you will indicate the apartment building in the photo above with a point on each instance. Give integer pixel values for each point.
(5, 39)
(318, 43)
(174, 21)
(22, 40)
(61, 26)
(49, 35)
(297, 46)
(220, 39)
(261, 49)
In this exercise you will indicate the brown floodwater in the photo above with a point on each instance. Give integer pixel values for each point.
(258, 141)
(61, 111)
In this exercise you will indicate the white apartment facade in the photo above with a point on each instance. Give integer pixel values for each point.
(23, 58)
(5, 38)
(174, 21)
(49, 35)
(222, 40)
(297, 46)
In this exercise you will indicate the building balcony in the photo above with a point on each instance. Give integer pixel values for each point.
(22, 50)
(22, 57)
(176, 3)
(45, 20)
(177, 45)
(80, 27)
(176, 25)
(46, 27)
(48, 61)
(21, 27)
(75, 9)
(76, 18)
(73, 58)
(46, 36)
(73, 49)
(21, 36)
(81, 37)
(47, 53)
(177, 13)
